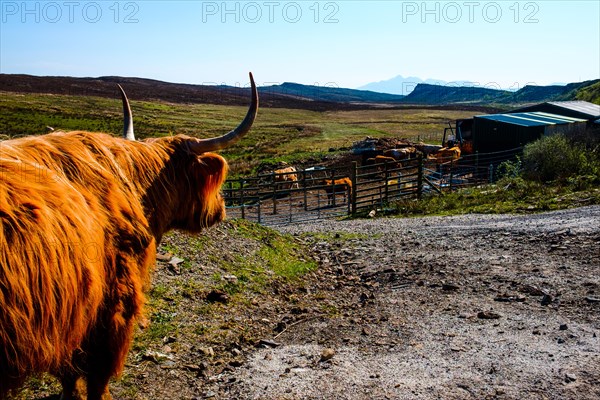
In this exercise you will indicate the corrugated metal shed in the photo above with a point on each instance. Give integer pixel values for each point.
(583, 107)
(532, 118)
(497, 132)
(575, 109)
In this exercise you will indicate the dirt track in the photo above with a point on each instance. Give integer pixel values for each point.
(469, 307)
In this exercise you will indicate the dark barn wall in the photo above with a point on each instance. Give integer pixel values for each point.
(490, 135)
(573, 129)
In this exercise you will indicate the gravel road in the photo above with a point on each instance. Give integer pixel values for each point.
(465, 307)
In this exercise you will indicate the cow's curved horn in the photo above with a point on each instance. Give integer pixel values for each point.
(218, 143)
(127, 120)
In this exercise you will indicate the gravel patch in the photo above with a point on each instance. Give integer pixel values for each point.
(472, 306)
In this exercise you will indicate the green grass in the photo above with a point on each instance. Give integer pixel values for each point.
(590, 93)
(284, 263)
(514, 195)
(278, 134)
(268, 259)
(277, 256)
(161, 305)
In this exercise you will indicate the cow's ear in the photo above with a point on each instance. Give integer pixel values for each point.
(213, 169)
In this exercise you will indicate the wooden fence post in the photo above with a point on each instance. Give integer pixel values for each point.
(318, 204)
(304, 190)
(274, 195)
(332, 188)
(420, 177)
(353, 175)
(386, 175)
(290, 201)
(229, 191)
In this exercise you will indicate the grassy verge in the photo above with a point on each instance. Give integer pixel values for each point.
(246, 261)
(514, 195)
(554, 172)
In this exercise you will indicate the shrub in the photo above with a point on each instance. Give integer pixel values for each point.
(556, 158)
(510, 169)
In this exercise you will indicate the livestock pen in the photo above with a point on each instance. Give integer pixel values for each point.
(270, 200)
(316, 193)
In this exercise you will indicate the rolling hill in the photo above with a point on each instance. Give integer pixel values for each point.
(293, 95)
(438, 94)
(151, 90)
(324, 93)
(589, 93)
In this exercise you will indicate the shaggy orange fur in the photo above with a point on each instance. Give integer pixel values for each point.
(80, 216)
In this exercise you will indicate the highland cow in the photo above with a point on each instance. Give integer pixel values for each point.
(80, 217)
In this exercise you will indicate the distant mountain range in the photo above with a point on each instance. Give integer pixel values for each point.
(437, 94)
(450, 94)
(405, 85)
(334, 94)
(469, 92)
(293, 95)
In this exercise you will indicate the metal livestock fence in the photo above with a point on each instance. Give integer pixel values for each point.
(315, 193)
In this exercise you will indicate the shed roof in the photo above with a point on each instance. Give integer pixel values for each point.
(583, 108)
(531, 118)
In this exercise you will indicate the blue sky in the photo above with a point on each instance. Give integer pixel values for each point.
(338, 43)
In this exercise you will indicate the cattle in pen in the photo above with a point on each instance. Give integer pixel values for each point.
(445, 155)
(286, 177)
(334, 187)
(402, 153)
(81, 215)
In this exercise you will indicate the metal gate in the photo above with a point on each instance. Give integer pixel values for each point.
(315, 193)
(288, 197)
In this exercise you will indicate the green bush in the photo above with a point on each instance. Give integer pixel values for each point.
(510, 169)
(557, 158)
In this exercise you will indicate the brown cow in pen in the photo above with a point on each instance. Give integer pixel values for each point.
(341, 186)
(381, 160)
(445, 155)
(287, 176)
(80, 218)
